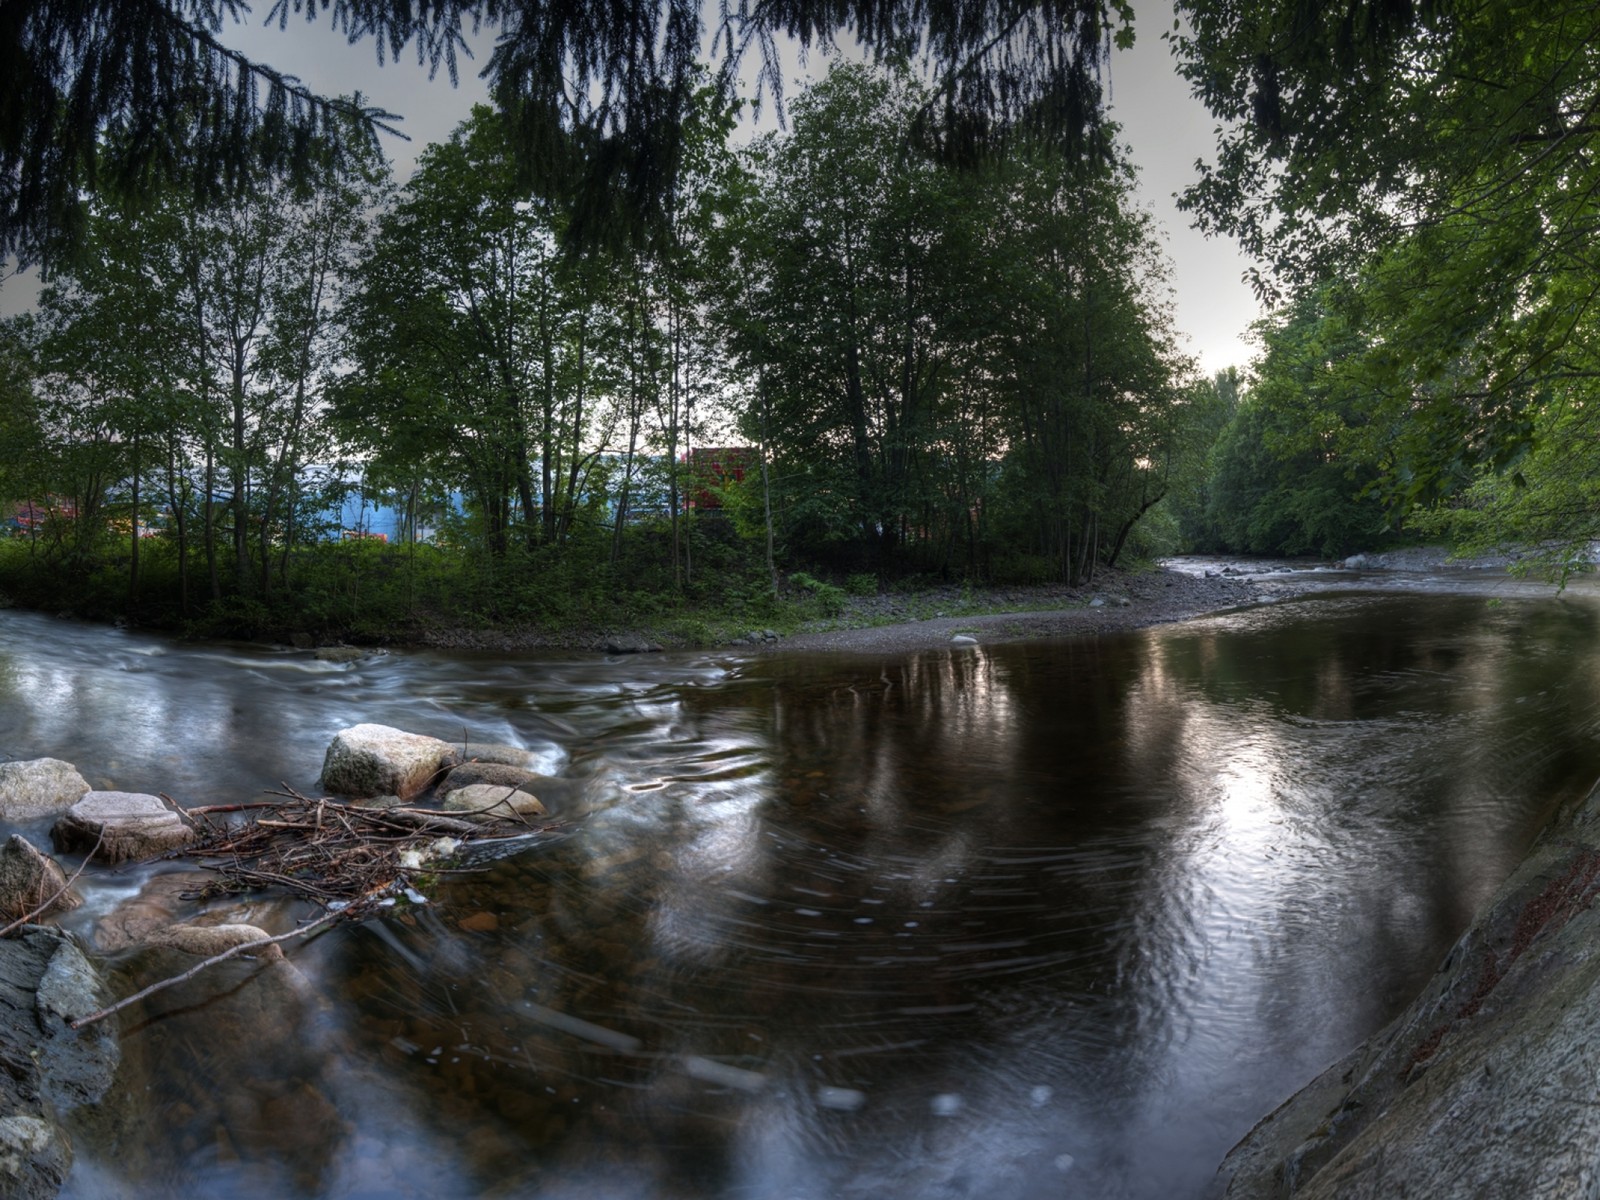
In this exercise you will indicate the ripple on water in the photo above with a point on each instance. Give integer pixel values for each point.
(1042, 917)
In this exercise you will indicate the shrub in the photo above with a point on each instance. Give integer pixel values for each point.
(826, 599)
(863, 583)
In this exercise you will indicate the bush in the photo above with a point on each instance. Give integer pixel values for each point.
(825, 599)
(863, 583)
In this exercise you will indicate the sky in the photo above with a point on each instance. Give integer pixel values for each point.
(1165, 128)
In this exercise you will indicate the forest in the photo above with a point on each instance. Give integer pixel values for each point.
(919, 332)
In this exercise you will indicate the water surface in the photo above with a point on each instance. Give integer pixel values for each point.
(1050, 919)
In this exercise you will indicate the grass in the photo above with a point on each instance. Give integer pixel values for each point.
(574, 594)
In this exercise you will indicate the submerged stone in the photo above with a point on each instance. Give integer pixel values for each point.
(510, 756)
(491, 801)
(207, 941)
(552, 789)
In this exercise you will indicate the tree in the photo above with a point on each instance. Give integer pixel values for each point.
(102, 338)
(477, 345)
(127, 97)
(197, 340)
(949, 363)
(1214, 403)
(1095, 378)
(838, 251)
(1293, 471)
(1437, 161)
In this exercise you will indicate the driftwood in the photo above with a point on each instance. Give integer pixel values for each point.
(344, 857)
(349, 860)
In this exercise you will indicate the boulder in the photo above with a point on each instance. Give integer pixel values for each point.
(40, 787)
(246, 1052)
(29, 877)
(128, 825)
(46, 1069)
(1483, 1086)
(490, 801)
(376, 760)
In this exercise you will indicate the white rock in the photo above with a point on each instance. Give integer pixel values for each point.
(376, 760)
(128, 825)
(39, 787)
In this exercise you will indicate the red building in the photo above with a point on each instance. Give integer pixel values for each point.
(714, 467)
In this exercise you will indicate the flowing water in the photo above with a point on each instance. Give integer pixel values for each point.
(1041, 920)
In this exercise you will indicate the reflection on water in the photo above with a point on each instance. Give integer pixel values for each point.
(1039, 920)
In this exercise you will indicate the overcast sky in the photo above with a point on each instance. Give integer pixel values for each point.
(1165, 128)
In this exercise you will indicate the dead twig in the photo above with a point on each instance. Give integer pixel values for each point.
(207, 809)
(333, 853)
(241, 948)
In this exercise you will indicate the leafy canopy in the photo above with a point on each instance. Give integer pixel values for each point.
(124, 96)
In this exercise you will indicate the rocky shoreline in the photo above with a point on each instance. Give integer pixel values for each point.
(1484, 1085)
(60, 1061)
(893, 622)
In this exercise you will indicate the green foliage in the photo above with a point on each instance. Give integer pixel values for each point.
(821, 598)
(1436, 162)
(948, 363)
(1213, 404)
(861, 584)
(132, 99)
(1288, 473)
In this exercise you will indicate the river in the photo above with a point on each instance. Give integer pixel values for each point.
(1049, 919)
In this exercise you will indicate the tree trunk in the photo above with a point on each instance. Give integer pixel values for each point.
(133, 548)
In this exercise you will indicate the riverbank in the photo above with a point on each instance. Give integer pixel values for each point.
(908, 621)
(1484, 1085)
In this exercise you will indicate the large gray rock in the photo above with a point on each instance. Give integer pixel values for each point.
(128, 825)
(46, 1068)
(1485, 1085)
(376, 760)
(28, 878)
(39, 787)
(491, 801)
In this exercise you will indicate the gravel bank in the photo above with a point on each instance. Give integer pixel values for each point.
(1129, 600)
(898, 623)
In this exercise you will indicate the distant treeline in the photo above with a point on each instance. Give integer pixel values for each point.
(959, 373)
